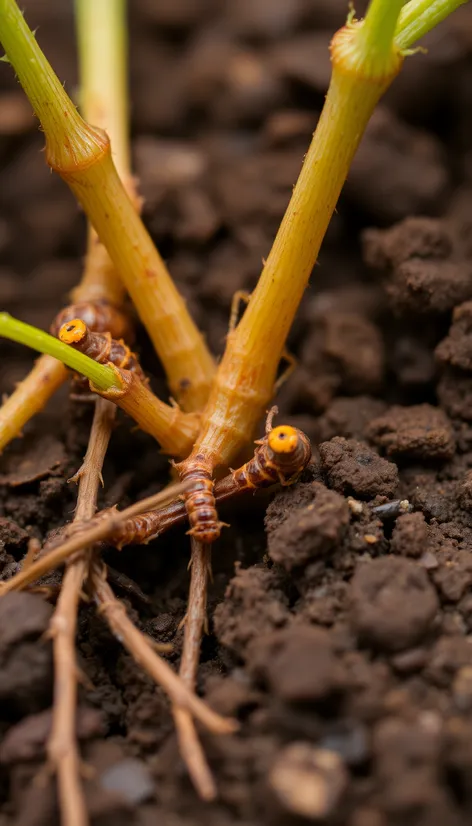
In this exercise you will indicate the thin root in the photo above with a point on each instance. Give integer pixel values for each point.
(195, 623)
(140, 648)
(96, 530)
(62, 746)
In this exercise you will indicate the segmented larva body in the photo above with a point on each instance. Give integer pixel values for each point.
(269, 465)
(200, 503)
(99, 346)
(138, 530)
(99, 316)
(280, 457)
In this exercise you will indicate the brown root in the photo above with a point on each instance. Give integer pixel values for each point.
(143, 652)
(195, 622)
(62, 747)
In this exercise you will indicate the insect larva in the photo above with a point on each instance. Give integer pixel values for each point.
(99, 346)
(99, 316)
(141, 529)
(280, 456)
(200, 503)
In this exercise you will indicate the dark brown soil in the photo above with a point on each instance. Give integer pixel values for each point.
(340, 627)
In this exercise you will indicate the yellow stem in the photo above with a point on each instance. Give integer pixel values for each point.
(170, 426)
(103, 48)
(81, 155)
(245, 381)
(182, 349)
(30, 397)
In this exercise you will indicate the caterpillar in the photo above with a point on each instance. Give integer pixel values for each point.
(99, 346)
(100, 316)
(200, 503)
(280, 456)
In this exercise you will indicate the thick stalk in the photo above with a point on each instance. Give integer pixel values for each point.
(30, 396)
(181, 348)
(246, 376)
(102, 51)
(81, 155)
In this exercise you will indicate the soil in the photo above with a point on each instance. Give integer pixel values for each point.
(340, 624)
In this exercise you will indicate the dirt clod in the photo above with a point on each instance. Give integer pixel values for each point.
(309, 532)
(410, 535)
(254, 604)
(25, 660)
(354, 468)
(456, 349)
(298, 664)
(420, 431)
(393, 603)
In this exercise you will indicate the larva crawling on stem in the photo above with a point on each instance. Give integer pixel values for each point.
(280, 457)
(100, 316)
(99, 346)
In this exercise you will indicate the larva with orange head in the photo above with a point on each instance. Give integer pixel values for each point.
(99, 346)
(280, 457)
(100, 316)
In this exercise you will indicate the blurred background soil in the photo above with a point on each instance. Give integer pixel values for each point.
(342, 638)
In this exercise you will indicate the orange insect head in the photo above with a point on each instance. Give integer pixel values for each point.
(283, 439)
(72, 332)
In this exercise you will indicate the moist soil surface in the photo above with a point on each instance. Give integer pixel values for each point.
(341, 609)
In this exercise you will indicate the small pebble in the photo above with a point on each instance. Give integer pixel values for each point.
(355, 506)
(131, 779)
(308, 781)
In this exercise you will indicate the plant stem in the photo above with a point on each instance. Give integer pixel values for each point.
(175, 430)
(104, 378)
(103, 48)
(374, 38)
(104, 94)
(81, 155)
(181, 348)
(245, 381)
(30, 396)
(418, 17)
(171, 427)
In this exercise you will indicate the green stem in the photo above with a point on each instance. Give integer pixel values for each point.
(51, 104)
(418, 17)
(376, 32)
(103, 378)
